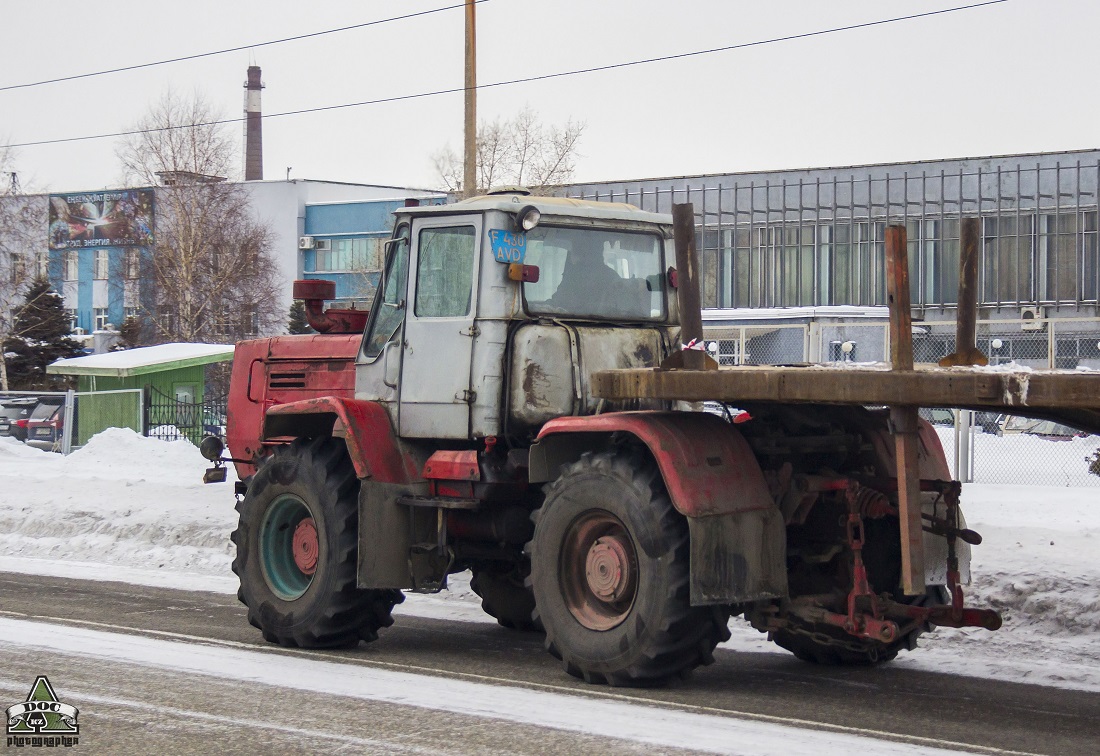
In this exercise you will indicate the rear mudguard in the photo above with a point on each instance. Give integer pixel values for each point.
(706, 464)
(738, 539)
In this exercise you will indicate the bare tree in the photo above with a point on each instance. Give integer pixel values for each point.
(22, 253)
(211, 274)
(522, 151)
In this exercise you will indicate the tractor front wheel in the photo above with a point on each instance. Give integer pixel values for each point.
(297, 546)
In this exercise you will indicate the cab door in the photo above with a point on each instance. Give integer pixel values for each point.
(436, 386)
(378, 367)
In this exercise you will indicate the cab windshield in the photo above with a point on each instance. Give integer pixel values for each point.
(595, 273)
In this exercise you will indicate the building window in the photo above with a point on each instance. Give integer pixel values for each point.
(129, 312)
(72, 265)
(250, 320)
(1066, 266)
(18, 268)
(132, 266)
(100, 268)
(1007, 259)
(100, 318)
(43, 265)
(350, 255)
(1090, 259)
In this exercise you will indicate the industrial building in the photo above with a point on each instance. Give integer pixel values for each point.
(320, 229)
(811, 241)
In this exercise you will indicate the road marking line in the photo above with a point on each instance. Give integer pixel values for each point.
(609, 715)
(246, 724)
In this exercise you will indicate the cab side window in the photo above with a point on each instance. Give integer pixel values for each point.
(389, 304)
(445, 271)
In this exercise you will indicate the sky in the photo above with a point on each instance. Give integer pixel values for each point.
(1000, 79)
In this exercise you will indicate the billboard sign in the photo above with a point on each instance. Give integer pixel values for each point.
(122, 218)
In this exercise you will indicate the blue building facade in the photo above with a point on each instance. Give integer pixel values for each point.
(97, 243)
(101, 244)
(345, 242)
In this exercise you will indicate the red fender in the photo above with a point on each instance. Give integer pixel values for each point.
(707, 466)
(365, 426)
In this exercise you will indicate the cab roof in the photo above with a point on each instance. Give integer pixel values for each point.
(510, 202)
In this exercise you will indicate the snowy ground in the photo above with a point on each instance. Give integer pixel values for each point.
(134, 509)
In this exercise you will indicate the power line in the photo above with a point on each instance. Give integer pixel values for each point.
(528, 79)
(232, 49)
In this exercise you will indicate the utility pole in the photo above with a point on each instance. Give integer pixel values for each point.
(469, 155)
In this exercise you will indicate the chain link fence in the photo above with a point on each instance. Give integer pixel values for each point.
(1014, 450)
(982, 447)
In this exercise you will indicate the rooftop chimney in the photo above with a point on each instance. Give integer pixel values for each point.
(253, 130)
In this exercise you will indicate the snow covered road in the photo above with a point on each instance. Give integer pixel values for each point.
(133, 510)
(622, 720)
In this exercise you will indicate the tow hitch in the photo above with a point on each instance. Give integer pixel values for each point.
(876, 617)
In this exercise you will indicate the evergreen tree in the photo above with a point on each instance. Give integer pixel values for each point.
(40, 336)
(132, 333)
(298, 323)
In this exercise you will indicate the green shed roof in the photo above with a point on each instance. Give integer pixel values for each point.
(143, 360)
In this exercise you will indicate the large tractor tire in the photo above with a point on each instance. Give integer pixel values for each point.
(505, 597)
(609, 571)
(297, 543)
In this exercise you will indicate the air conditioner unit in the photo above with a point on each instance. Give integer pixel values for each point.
(78, 331)
(323, 245)
(305, 242)
(1032, 318)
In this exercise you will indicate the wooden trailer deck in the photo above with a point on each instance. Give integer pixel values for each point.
(961, 380)
(1066, 396)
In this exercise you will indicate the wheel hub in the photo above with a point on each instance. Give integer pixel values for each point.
(598, 570)
(608, 568)
(289, 547)
(305, 546)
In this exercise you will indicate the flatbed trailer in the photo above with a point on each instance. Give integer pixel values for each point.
(1065, 396)
(961, 380)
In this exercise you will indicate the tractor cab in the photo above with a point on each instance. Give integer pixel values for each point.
(493, 312)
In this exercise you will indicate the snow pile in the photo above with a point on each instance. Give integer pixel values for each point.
(123, 499)
(135, 509)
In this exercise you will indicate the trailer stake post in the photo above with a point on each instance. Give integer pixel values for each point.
(904, 418)
(966, 324)
(693, 355)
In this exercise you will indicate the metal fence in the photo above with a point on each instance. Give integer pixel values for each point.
(71, 418)
(169, 418)
(1015, 451)
(981, 447)
(1065, 343)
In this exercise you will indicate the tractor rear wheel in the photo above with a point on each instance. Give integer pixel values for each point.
(297, 545)
(505, 597)
(609, 571)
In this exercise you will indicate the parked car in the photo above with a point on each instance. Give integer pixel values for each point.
(45, 425)
(938, 415)
(1011, 425)
(989, 422)
(13, 417)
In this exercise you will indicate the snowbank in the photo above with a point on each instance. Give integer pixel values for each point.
(122, 499)
(135, 509)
